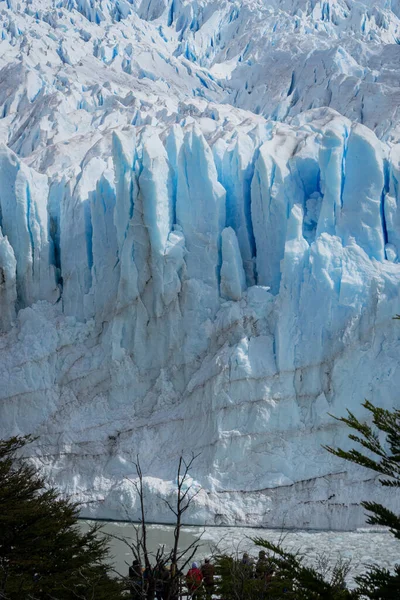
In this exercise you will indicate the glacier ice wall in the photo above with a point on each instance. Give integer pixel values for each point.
(136, 330)
(197, 252)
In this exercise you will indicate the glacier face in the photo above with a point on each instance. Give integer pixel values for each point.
(199, 247)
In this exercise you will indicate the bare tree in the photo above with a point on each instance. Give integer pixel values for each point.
(185, 496)
(155, 562)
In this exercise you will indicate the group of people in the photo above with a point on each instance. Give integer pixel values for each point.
(201, 579)
(162, 583)
(165, 582)
(263, 569)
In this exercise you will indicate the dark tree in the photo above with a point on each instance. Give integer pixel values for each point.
(380, 452)
(294, 580)
(235, 580)
(43, 553)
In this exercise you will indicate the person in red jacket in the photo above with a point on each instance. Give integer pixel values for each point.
(194, 579)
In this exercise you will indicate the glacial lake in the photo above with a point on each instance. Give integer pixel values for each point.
(362, 546)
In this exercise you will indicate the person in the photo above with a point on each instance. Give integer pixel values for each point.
(262, 566)
(208, 577)
(194, 579)
(162, 577)
(148, 583)
(172, 583)
(264, 572)
(135, 580)
(247, 566)
(246, 560)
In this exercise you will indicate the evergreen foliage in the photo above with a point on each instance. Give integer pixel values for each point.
(284, 577)
(43, 553)
(381, 440)
(293, 580)
(235, 580)
(380, 452)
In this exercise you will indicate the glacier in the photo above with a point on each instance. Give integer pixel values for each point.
(199, 248)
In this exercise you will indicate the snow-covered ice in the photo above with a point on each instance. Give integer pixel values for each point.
(199, 247)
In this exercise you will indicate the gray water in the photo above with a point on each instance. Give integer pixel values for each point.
(360, 547)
